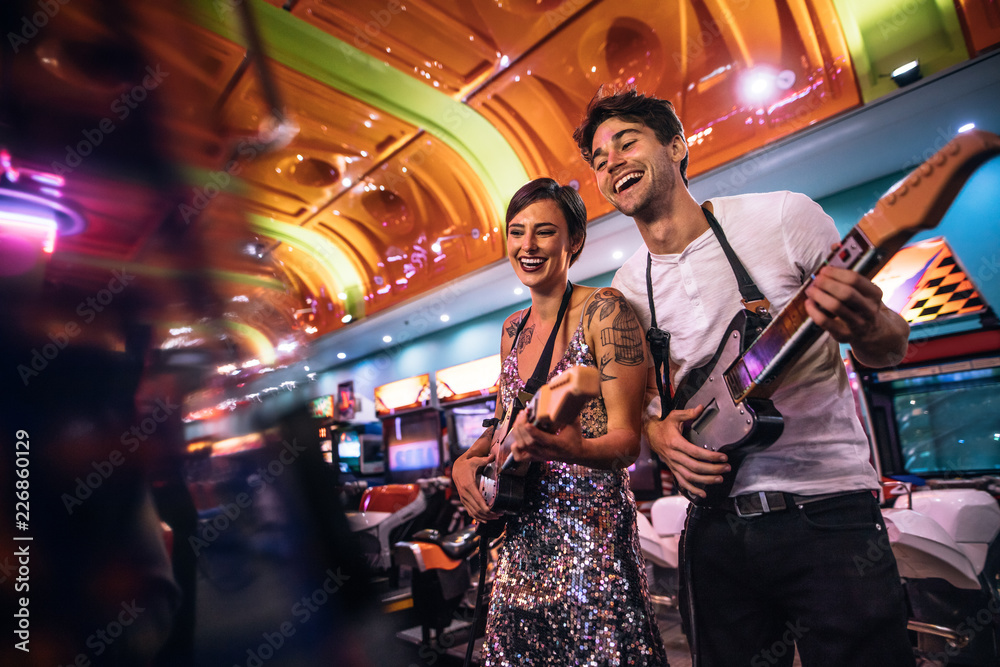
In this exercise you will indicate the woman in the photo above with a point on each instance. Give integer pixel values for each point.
(571, 585)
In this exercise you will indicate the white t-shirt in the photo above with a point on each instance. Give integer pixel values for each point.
(780, 237)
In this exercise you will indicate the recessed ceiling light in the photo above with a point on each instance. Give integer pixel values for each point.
(445, 318)
(386, 339)
(518, 290)
(346, 318)
(341, 355)
(617, 254)
(967, 127)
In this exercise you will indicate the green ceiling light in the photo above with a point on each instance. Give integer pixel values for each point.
(314, 53)
(334, 267)
(259, 346)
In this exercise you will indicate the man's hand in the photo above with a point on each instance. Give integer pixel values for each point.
(849, 306)
(463, 473)
(694, 467)
(843, 302)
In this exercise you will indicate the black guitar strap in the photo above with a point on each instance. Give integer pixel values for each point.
(659, 340)
(541, 374)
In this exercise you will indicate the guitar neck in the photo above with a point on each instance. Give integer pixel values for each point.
(559, 402)
(916, 203)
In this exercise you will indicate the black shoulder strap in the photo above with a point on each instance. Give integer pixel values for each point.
(541, 374)
(659, 340)
(753, 299)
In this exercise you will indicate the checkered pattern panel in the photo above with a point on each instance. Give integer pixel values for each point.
(943, 290)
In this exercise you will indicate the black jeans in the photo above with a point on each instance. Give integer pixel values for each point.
(820, 576)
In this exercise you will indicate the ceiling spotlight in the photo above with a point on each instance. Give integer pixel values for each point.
(387, 339)
(906, 74)
(341, 355)
(346, 318)
(519, 291)
(445, 318)
(967, 127)
(617, 254)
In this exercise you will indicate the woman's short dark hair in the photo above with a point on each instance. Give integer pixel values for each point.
(633, 107)
(568, 200)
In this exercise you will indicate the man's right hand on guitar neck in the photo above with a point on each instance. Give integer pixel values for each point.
(694, 467)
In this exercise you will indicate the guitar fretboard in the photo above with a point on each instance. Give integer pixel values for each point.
(792, 330)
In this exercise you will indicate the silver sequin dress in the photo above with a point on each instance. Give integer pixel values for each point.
(571, 587)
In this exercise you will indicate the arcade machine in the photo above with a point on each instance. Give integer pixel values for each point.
(935, 425)
(468, 395)
(413, 497)
(411, 428)
(353, 447)
(936, 414)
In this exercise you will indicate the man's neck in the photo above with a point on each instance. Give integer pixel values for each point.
(674, 226)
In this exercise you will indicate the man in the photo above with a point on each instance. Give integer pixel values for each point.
(787, 557)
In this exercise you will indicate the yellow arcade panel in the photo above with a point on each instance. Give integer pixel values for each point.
(924, 282)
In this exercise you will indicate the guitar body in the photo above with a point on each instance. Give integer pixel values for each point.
(503, 490)
(736, 429)
(555, 405)
(736, 384)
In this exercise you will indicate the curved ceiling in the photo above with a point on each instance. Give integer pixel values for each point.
(331, 160)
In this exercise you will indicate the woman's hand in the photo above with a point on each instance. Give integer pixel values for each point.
(463, 473)
(533, 444)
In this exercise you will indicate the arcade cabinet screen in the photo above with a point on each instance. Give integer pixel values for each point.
(322, 407)
(350, 445)
(469, 424)
(949, 423)
(414, 444)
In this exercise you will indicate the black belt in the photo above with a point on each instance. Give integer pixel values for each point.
(763, 502)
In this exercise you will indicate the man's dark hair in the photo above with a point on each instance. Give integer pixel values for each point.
(568, 200)
(633, 107)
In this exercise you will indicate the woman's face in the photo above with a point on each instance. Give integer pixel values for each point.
(539, 245)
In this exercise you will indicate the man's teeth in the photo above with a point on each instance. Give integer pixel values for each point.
(626, 180)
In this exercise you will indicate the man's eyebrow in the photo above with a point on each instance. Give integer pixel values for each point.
(614, 138)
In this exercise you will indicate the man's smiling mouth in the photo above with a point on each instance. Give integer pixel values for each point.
(627, 181)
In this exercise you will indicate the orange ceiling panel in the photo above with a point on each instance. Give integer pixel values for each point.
(981, 21)
(419, 221)
(740, 75)
(338, 138)
(453, 45)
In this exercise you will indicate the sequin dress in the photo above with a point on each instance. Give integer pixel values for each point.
(571, 587)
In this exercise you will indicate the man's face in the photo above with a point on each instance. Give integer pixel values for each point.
(634, 170)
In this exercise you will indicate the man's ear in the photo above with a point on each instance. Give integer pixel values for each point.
(678, 148)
